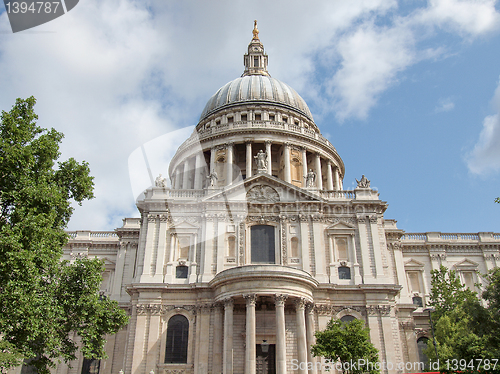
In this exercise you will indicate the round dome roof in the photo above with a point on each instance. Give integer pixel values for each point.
(252, 88)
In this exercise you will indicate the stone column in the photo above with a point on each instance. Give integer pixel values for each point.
(229, 164)
(337, 179)
(162, 247)
(198, 181)
(301, 334)
(377, 251)
(319, 176)
(304, 166)
(204, 339)
(268, 154)
(228, 336)
(212, 159)
(209, 248)
(279, 300)
(177, 182)
(250, 354)
(148, 249)
(286, 155)
(185, 177)
(329, 175)
(249, 158)
(334, 276)
(357, 274)
(310, 336)
(120, 263)
(217, 342)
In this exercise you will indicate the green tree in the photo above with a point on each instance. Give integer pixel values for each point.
(347, 343)
(44, 302)
(464, 329)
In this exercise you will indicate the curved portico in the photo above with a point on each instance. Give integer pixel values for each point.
(260, 289)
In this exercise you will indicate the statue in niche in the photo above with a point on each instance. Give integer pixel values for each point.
(212, 178)
(261, 160)
(363, 183)
(160, 182)
(310, 178)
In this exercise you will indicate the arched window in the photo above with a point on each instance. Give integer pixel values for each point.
(347, 318)
(421, 345)
(262, 244)
(177, 340)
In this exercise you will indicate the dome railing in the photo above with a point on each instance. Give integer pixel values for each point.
(275, 125)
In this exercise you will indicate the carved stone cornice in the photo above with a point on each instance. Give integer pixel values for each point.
(407, 325)
(382, 310)
(158, 309)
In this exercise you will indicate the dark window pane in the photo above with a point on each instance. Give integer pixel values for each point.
(90, 366)
(347, 318)
(177, 340)
(344, 272)
(417, 300)
(421, 345)
(262, 244)
(181, 271)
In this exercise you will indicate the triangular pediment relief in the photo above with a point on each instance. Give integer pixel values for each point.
(466, 264)
(341, 225)
(412, 263)
(183, 225)
(262, 189)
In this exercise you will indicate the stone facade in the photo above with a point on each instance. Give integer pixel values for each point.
(255, 246)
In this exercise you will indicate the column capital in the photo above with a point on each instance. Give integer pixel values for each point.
(268, 142)
(287, 144)
(300, 303)
(280, 299)
(251, 299)
(229, 303)
(249, 141)
(229, 144)
(310, 308)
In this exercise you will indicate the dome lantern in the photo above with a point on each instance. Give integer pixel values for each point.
(255, 60)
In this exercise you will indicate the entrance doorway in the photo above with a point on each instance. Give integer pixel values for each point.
(266, 359)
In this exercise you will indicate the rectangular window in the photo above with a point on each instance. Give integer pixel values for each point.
(244, 117)
(341, 244)
(468, 279)
(262, 244)
(256, 62)
(271, 117)
(257, 117)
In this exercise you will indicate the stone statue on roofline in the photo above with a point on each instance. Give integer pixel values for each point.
(261, 160)
(363, 183)
(212, 178)
(310, 178)
(160, 182)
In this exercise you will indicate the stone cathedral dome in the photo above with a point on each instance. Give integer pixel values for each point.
(256, 88)
(256, 124)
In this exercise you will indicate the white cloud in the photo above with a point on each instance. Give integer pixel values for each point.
(467, 17)
(371, 58)
(485, 157)
(444, 105)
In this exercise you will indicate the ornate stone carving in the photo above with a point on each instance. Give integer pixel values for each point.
(300, 303)
(373, 218)
(310, 178)
(280, 299)
(229, 302)
(438, 256)
(251, 299)
(363, 183)
(152, 217)
(261, 161)
(262, 194)
(241, 242)
(160, 181)
(78, 255)
(378, 310)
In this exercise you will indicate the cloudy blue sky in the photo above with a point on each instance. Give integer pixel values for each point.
(407, 91)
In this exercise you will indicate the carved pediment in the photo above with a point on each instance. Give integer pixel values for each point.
(262, 188)
(413, 264)
(341, 227)
(466, 264)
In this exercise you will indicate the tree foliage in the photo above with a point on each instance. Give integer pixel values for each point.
(464, 328)
(45, 303)
(347, 343)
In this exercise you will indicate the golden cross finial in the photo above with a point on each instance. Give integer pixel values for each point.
(255, 30)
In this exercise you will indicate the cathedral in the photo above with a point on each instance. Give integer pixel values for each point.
(253, 245)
